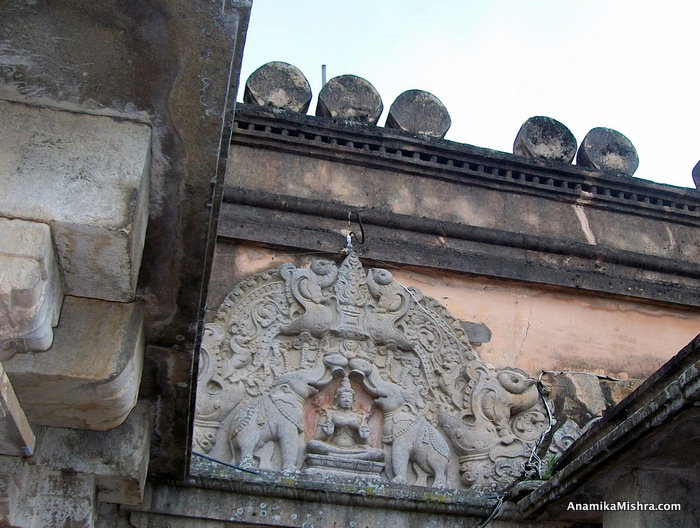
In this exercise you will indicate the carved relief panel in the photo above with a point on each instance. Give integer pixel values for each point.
(334, 370)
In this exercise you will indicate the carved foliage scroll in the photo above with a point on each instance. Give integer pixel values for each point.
(337, 370)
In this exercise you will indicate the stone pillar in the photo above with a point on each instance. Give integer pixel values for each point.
(641, 488)
(279, 85)
(419, 112)
(350, 98)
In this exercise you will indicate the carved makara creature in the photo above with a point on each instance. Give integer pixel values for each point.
(392, 304)
(490, 444)
(307, 287)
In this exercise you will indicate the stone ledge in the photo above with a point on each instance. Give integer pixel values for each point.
(88, 178)
(273, 501)
(288, 221)
(90, 377)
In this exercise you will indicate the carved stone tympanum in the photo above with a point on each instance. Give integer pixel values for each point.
(334, 370)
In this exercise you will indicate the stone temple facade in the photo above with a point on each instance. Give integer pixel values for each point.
(216, 317)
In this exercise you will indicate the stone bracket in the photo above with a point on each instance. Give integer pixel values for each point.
(16, 435)
(90, 377)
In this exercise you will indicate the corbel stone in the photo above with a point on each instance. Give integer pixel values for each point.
(117, 459)
(90, 377)
(31, 291)
(87, 177)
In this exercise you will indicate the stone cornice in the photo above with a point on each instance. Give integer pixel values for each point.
(388, 149)
(288, 221)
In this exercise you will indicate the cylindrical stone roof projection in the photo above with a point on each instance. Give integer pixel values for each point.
(350, 97)
(542, 137)
(279, 85)
(419, 112)
(608, 150)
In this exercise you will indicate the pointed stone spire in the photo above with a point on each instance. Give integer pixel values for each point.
(696, 175)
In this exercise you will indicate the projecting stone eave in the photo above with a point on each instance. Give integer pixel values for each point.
(651, 430)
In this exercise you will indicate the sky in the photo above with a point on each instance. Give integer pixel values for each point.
(627, 65)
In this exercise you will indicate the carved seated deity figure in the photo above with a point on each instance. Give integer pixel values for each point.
(343, 432)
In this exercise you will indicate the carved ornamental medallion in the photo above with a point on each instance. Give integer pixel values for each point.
(333, 370)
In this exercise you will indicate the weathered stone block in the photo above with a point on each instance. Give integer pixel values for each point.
(89, 378)
(608, 150)
(118, 459)
(279, 85)
(72, 471)
(31, 292)
(52, 498)
(87, 177)
(542, 137)
(419, 112)
(350, 97)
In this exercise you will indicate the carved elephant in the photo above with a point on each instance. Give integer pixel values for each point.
(411, 438)
(276, 416)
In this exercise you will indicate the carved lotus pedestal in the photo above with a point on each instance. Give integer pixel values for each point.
(335, 371)
(343, 466)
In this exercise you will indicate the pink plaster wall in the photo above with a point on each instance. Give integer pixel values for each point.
(533, 327)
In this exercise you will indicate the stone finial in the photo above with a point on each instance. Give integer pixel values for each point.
(279, 85)
(350, 97)
(542, 137)
(419, 112)
(608, 150)
(696, 175)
